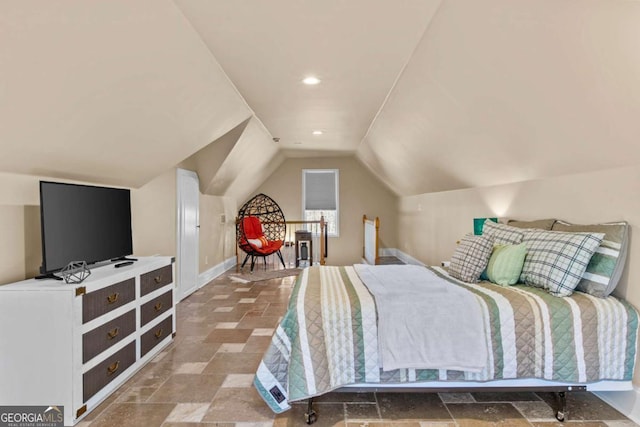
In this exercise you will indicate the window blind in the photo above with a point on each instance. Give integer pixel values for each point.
(320, 190)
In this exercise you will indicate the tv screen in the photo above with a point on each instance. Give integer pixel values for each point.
(83, 223)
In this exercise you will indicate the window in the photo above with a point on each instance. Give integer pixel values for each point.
(320, 197)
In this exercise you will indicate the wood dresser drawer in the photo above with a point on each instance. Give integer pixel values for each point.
(105, 372)
(156, 335)
(155, 279)
(101, 338)
(97, 303)
(155, 307)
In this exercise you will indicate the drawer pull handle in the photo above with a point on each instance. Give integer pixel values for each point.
(158, 306)
(157, 279)
(113, 368)
(158, 333)
(114, 333)
(113, 298)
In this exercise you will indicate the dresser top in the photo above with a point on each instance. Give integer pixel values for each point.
(100, 276)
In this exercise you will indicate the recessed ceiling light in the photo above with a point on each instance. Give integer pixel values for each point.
(317, 132)
(311, 80)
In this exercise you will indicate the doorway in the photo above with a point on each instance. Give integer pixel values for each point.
(188, 238)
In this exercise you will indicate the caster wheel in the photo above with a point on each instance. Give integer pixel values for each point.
(310, 417)
(560, 416)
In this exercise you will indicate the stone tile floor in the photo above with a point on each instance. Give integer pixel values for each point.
(204, 378)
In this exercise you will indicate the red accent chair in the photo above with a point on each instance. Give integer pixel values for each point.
(252, 238)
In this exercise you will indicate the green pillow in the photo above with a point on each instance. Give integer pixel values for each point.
(505, 264)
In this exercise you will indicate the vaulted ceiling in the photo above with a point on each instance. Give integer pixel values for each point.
(431, 95)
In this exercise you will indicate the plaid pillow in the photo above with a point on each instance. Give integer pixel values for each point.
(503, 234)
(605, 268)
(471, 257)
(556, 261)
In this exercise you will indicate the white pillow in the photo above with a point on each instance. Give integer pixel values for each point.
(255, 242)
(556, 261)
(471, 257)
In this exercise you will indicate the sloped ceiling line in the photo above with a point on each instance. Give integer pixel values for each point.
(398, 77)
(500, 92)
(206, 46)
(249, 162)
(108, 92)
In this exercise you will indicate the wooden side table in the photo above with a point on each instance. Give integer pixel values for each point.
(304, 236)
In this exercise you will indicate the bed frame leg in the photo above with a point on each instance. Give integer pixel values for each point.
(561, 399)
(310, 416)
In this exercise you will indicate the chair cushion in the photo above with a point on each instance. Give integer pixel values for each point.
(272, 247)
(252, 227)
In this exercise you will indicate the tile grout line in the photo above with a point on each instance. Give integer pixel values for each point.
(446, 406)
(375, 396)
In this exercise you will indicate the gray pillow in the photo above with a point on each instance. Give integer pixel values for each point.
(605, 268)
(471, 257)
(542, 224)
(502, 234)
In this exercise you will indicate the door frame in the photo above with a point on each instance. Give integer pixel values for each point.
(181, 174)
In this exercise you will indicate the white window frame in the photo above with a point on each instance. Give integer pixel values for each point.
(336, 172)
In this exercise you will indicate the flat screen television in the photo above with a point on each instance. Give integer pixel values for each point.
(83, 223)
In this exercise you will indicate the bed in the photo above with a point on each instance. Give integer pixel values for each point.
(330, 337)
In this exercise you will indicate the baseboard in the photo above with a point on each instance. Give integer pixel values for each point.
(627, 402)
(406, 258)
(215, 271)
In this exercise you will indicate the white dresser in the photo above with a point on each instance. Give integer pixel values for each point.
(72, 345)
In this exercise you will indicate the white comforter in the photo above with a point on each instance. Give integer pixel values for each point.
(424, 322)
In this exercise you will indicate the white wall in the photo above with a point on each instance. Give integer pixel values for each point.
(20, 245)
(154, 224)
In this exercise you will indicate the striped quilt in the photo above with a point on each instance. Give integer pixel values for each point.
(328, 338)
